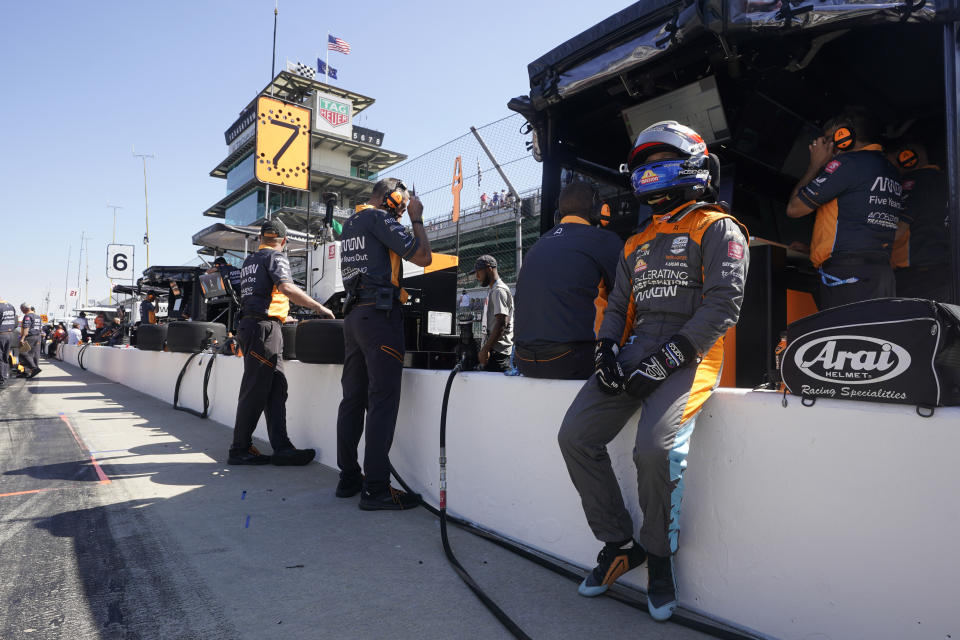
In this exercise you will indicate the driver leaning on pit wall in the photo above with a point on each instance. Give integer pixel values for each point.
(678, 288)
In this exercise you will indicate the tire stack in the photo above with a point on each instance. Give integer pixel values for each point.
(320, 341)
(289, 342)
(193, 337)
(151, 337)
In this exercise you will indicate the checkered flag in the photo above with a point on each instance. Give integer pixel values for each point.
(301, 69)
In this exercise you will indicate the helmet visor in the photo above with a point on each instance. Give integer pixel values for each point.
(666, 175)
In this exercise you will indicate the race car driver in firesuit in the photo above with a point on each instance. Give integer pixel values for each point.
(679, 286)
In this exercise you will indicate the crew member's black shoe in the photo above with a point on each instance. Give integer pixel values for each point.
(349, 486)
(389, 499)
(250, 456)
(33, 373)
(614, 560)
(661, 587)
(293, 457)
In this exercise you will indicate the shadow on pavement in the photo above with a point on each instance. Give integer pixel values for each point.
(181, 546)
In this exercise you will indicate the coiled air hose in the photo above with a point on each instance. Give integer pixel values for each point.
(504, 619)
(206, 381)
(86, 345)
(683, 618)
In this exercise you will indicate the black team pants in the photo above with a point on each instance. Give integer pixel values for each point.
(263, 388)
(874, 281)
(6, 343)
(31, 359)
(372, 371)
(566, 361)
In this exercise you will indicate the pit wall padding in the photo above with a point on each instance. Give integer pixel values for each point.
(835, 521)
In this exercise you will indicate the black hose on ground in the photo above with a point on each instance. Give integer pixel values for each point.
(500, 615)
(85, 346)
(681, 617)
(206, 381)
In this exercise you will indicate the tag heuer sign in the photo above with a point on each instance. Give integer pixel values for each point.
(333, 111)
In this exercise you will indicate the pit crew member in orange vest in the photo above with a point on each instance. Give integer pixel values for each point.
(856, 194)
(266, 290)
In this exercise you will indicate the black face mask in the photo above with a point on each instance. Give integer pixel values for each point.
(665, 205)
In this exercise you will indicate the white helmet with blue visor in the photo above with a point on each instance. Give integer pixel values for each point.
(690, 175)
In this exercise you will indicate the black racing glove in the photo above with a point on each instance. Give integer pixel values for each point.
(673, 354)
(609, 373)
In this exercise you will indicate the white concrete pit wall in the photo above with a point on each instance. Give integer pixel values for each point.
(836, 521)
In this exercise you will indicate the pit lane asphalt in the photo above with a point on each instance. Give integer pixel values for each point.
(166, 541)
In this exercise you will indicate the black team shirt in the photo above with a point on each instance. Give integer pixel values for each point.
(563, 284)
(372, 247)
(260, 275)
(857, 196)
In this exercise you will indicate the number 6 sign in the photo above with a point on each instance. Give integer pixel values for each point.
(120, 261)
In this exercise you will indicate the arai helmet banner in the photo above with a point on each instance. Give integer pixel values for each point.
(885, 350)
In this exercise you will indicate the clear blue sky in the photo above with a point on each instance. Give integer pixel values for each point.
(84, 81)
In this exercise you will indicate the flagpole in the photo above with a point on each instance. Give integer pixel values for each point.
(273, 59)
(326, 71)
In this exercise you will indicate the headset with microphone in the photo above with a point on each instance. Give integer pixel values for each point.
(844, 137)
(599, 213)
(907, 158)
(394, 200)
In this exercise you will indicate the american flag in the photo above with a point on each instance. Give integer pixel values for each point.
(337, 44)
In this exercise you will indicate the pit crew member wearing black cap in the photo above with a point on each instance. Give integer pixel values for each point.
(562, 289)
(266, 291)
(679, 287)
(8, 329)
(497, 319)
(30, 334)
(857, 196)
(921, 250)
(373, 245)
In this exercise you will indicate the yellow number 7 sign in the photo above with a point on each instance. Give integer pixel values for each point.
(283, 144)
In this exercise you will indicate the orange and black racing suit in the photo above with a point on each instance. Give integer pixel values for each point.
(683, 274)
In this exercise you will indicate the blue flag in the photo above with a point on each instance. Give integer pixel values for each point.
(325, 70)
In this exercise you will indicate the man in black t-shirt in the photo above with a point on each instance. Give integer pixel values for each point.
(267, 288)
(856, 194)
(562, 290)
(373, 245)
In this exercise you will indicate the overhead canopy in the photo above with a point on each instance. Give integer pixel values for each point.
(228, 237)
(647, 30)
(292, 88)
(178, 273)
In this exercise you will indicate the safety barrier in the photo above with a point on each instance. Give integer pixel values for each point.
(837, 519)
